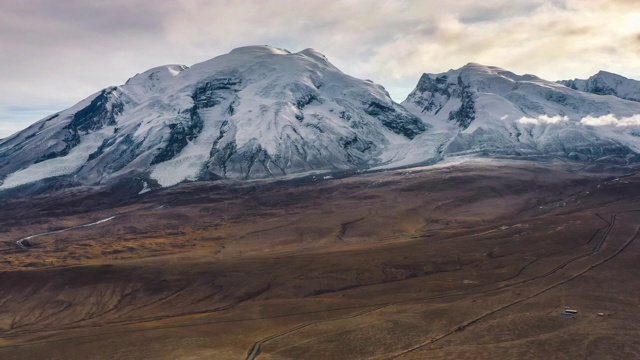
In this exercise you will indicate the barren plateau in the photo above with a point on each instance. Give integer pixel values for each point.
(475, 260)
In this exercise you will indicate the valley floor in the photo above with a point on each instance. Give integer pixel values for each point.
(462, 261)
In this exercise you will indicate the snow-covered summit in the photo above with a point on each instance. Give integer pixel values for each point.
(479, 109)
(156, 75)
(255, 50)
(606, 83)
(257, 111)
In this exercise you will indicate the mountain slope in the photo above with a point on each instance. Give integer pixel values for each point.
(258, 111)
(490, 111)
(606, 83)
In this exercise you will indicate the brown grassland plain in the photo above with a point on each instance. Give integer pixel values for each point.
(462, 261)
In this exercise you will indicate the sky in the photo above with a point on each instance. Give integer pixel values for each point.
(56, 53)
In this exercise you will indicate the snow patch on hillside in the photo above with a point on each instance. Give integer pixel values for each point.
(191, 162)
(67, 165)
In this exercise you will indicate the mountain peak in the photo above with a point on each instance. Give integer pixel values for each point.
(602, 72)
(607, 83)
(314, 54)
(474, 65)
(259, 50)
(605, 73)
(157, 74)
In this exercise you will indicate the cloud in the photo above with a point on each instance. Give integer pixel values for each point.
(56, 53)
(611, 120)
(543, 119)
(604, 120)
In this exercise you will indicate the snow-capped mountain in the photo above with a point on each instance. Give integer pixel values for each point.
(606, 83)
(258, 111)
(262, 112)
(490, 111)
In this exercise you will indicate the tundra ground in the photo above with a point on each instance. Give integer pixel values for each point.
(461, 261)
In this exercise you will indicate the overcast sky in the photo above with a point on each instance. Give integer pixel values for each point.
(55, 53)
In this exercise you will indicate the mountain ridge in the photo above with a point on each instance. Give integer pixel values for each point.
(488, 110)
(262, 112)
(607, 83)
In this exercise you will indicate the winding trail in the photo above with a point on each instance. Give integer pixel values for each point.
(20, 244)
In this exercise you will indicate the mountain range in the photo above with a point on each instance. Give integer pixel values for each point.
(264, 112)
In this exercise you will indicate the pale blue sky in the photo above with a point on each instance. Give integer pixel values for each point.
(55, 53)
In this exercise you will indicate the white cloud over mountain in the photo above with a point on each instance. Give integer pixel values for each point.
(611, 120)
(544, 119)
